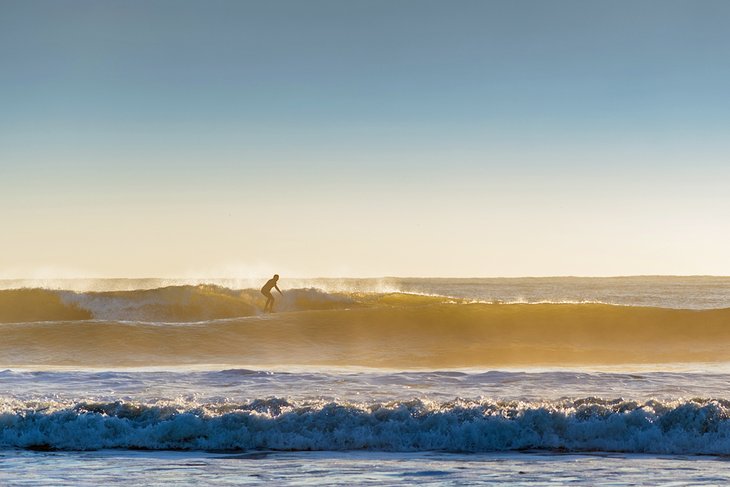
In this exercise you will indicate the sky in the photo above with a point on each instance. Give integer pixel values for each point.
(311, 138)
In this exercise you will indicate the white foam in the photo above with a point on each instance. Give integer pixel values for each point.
(671, 427)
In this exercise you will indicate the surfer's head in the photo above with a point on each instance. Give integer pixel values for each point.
(276, 277)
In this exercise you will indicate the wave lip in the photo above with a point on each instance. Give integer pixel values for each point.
(698, 426)
(175, 304)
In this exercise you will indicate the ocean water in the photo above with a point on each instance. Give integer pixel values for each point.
(613, 381)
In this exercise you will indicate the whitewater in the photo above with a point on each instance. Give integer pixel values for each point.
(444, 381)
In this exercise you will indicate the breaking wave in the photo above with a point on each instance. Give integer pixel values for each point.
(166, 304)
(697, 426)
(208, 324)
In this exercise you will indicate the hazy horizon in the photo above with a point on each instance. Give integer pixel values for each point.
(354, 277)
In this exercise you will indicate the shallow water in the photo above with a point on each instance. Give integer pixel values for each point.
(19, 468)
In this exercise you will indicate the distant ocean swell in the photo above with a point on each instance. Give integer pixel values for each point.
(677, 427)
(211, 324)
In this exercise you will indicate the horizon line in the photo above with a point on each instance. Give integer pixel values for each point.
(554, 276)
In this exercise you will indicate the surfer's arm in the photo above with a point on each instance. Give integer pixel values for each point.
(277, 288)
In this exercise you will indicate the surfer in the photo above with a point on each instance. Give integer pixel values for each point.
(266, 291)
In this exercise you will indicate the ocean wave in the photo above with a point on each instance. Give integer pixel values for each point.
(206, 302)
(167, 304)
(696, 426)
(396, 331)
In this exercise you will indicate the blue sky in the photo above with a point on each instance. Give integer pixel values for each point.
(351, 137)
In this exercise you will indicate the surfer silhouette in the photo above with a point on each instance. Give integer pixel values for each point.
(266, 291)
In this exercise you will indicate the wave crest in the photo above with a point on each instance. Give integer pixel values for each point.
(168, 304)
